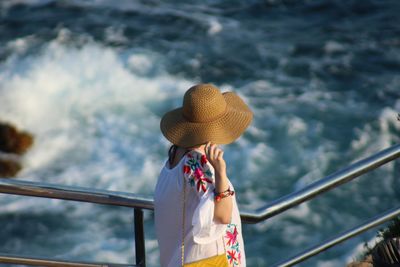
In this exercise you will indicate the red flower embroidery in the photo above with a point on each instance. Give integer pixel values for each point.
(232, 246)
(231, 237)
(193, 169)
(198, 173)
(186, 169)
(202, 182)
(203, 160)
(231, 256)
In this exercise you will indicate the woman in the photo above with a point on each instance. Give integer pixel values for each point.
(196, 214)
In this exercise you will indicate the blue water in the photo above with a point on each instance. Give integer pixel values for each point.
(90, 79)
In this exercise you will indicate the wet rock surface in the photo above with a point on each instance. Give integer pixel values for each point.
(13, 144)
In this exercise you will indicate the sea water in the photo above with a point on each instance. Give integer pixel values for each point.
(91, 79)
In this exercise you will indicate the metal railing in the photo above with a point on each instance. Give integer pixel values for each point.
(138, 203)
(323, 185)
(35, 189)
(371, 223)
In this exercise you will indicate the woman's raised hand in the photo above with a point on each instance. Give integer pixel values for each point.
(223, 208)
(215, 157)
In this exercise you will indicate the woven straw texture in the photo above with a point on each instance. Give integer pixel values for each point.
(216, 261)
(206, 115)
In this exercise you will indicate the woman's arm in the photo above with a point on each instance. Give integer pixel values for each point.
(223, 208)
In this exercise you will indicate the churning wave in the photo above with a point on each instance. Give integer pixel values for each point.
(92, 92)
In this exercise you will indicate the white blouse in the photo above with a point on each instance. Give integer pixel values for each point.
(203, 237)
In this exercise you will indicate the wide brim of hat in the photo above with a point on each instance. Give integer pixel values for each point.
(224, 130)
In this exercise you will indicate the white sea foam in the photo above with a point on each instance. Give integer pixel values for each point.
(215, 27)
(90, 113)
(140, 63)
(95, 114)
(378, 134)
(360, 249)
(296, 126)
(333, 46)
(330, 263)
(20, 45)
(115, 35)
(199, 14)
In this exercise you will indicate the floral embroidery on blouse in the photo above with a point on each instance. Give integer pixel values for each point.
(198, 172)
(232, 245)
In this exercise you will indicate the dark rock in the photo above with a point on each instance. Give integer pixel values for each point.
(9, 168)
(14, 141)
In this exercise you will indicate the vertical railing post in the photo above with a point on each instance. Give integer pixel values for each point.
(139, 238)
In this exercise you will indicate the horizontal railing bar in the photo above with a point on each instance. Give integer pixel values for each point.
(325, 184)
(27, 260)
(371, 223)
(37, 189)
(75, 193)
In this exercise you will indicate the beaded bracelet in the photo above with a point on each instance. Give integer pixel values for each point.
(224, 194)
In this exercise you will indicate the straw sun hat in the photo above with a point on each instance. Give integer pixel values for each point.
(206, 115)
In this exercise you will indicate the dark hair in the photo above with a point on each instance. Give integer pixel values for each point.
(171, 154)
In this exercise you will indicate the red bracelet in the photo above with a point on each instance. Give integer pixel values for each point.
(221, 195)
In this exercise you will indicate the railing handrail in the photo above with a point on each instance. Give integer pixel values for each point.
(325, 184)
(371, 223)
(139, 202)
(76, 193)
(10, 258)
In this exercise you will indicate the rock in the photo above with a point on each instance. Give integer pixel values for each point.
(13, 143)
(9, 168)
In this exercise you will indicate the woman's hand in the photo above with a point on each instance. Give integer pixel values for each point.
(223, 208)
(215, 157)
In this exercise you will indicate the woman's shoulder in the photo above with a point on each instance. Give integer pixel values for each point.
(196, 154)
(196, 159)
(193, 153)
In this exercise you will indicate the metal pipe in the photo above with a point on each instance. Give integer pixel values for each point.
(140, 252)
(75, 193)
(371, 223)
(325, 184)
(36, 189)
(34, 261)
(277, 206)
